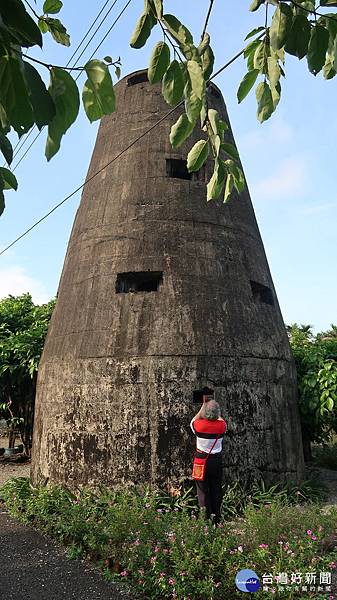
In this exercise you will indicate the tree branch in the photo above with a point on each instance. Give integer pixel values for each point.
(207, 19)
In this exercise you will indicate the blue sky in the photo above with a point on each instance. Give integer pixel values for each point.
(289, 163)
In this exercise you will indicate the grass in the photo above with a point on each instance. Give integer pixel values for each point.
(160, 544)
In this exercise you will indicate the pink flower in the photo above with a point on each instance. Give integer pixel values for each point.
(309, 532)
(313, 537)
(153, 558)
(218, 584)
(332, 565)
(123, 573)
(263, 545)
(162, 575)
(141, 571)
(136, 542)
(159, 510)
(171, 581)
(240, 548)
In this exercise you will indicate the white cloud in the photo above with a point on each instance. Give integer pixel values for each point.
(289, 178)
(15, 281)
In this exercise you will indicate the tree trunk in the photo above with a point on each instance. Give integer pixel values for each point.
(11, 439)
(307, 451)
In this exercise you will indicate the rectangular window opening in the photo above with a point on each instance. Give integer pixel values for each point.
(141, 281)
(198, 395)
(138, 78)
(177, 168)
(262, 293)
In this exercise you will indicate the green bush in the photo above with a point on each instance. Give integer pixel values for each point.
(326, 456)
(165, 549)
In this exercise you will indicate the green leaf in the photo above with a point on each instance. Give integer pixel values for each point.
(158, 4)
(249, 52)
(230, 150)
(317, 48)
(260, 56)
(142, 31)
(237, 175)
(180, 131)
(274, 72)
(330, 404)
(328, 2)
(118, 72)
(177, 30)
(299, 36)
(247, 84)
(254, 32)
(216, 182)
(43, 25)
(173, 84)
(159, 62)
(58, 31)
(280, 26)
(196, 78)
(204, 44)
(14, 95)
(9, 179)
(207, 62)
(108, 59)
(64, 93)
(42, 103)
(2, 201)
(6, 148)
(15, 16)
(264, 98)
(228, 187)
(52, 7)
(190, 52)
(197, 156)
(213, 117)
(276, 94)
(255, 5)
(193, 104)
(98, 91)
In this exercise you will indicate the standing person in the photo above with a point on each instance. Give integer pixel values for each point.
(207, 425)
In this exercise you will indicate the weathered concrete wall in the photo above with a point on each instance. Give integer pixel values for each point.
(118, 370)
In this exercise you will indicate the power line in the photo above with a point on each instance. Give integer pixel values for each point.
(114, 159)
(92, 177)
(76, 62)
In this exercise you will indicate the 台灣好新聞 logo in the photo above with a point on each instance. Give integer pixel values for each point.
(246, 580)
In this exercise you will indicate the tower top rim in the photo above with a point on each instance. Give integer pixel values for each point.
(138, 71)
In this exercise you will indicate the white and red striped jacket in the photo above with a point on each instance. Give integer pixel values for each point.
(207, 431)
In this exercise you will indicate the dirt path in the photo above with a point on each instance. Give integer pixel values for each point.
(11, 469)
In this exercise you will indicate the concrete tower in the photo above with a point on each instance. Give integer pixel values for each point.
(161, 294)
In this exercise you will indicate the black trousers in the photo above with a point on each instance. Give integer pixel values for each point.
(210, 489)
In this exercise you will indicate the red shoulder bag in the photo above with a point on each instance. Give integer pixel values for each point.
(199, 464)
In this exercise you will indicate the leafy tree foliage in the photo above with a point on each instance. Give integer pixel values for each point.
(316, 361)
(184, 67)
(23, 328)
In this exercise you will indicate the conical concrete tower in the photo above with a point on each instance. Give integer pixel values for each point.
(161, 294)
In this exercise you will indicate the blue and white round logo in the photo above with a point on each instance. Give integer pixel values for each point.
(246, 580)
